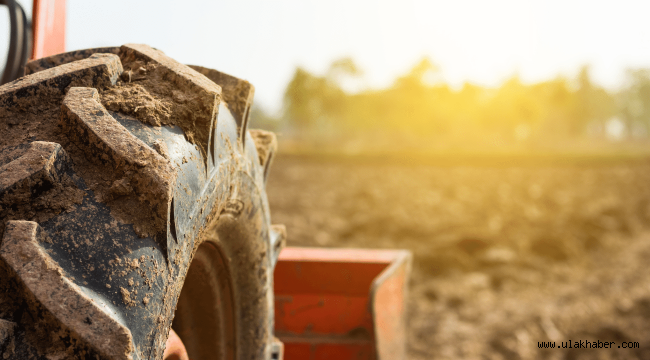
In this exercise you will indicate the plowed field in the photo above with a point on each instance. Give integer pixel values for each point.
(505, 257)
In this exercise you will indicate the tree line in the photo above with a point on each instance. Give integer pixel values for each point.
(419, 111)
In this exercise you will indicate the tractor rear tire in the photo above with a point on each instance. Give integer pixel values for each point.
(131, 191)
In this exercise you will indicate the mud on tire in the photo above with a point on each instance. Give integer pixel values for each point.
(118, 168)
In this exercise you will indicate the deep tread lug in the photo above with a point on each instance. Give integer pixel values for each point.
(27, 169)
(206, 94)
(106, 141)
(102, 70)
(278, 240)
(46, 283)
(237, 93)
(266, 144)
(6, 332)
(68, 57)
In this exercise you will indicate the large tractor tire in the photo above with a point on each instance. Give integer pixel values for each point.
(132, 201)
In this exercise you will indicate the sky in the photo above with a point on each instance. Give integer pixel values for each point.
(477, 41)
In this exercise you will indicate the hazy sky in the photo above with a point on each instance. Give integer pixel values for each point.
(479, 41)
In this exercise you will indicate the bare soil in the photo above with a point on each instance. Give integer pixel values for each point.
(504, 256)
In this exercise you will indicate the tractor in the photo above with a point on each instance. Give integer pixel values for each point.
(134, 222)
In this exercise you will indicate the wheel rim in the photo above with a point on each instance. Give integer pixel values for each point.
(204, 318)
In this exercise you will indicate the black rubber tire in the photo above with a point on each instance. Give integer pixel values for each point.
(105, 200)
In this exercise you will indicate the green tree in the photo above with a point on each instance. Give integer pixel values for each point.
(634, 102)
(343, 67)
(593, 105)
(311, 100)
(422, 75)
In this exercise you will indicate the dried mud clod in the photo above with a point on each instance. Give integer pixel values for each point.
(161, 148)
(134, 99)
(121, 187)
(126, 297)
